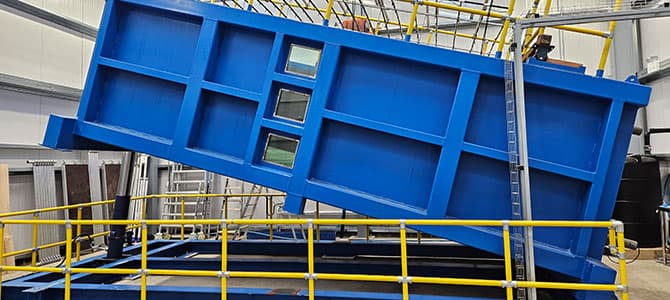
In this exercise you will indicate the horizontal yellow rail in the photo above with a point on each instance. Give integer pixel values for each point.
(374, 222)
(158, 196)
(311, 276)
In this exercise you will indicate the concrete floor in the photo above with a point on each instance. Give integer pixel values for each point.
(647, 280)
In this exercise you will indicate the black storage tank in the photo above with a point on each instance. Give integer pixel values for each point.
(639, 196)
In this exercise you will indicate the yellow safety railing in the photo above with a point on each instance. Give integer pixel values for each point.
(616, 240)
(35, 248)
(498, 43)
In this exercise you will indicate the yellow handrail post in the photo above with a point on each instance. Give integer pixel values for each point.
(270, 213)
(68, 259)
(412, 20)
(533, 12)
(508, 262)
(250, 5)
(403, 260)
(547, 7)
(310, 258)
(2, 251)
(224, 259)
(608, 44)
(503, 33)
(78, 241)
(623, 276)
(329, 11)
(143, 263)
(367, 230)
(33, 256)
(318, 227)
(418, 237)
(183, 208)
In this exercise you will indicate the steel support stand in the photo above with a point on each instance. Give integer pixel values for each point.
(117, 235)
(523, 156)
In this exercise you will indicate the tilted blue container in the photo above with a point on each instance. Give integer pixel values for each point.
(392, 129)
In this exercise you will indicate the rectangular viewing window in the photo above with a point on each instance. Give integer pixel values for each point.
(291, 105)
(303, 60)
(280, 150)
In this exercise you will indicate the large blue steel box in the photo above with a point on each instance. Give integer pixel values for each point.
(382, 127)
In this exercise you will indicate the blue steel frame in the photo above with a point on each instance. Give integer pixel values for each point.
(393, 130)
(173, 255)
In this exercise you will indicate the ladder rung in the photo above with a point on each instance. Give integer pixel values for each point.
(179, 214)
(188, 181)
(189, 171)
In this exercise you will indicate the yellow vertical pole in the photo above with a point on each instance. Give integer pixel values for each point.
(533, 11)
(377, 27)
(508, 261)
(78, 241)
(547, 7)
(367, 230)
(271, 212)
(2, 252)
(33, 258)
(412, 20)
(318, 227)
(224, 260)
(623, 276)
(183, 208)
(403, 260)
(310, 258)
(143, 263)
(503, 33)
(608, 44)
(68, 259)
(329, 11)
(612, 238)
(418, 237)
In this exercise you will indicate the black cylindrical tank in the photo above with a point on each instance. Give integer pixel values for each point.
(639, 196)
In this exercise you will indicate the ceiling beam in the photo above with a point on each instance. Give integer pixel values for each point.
(48, 18)
(39, 88)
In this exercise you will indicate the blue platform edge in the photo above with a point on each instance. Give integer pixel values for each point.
(393, 129)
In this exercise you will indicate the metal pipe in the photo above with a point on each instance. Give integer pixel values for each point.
(403, 261)
(608, 44)
(505, 29)
(2, 251)
(121, 206)
(224, 260)
(33, 256)
(143, 263)
(68, 260)
(78, 241)
(412, 20)
(509, 291)
(310, 258)
(183, 207)
(520, 103)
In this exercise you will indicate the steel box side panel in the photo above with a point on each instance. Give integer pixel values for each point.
(392, 129)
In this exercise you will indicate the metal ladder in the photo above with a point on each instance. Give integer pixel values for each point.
(138, 187)
(514, 178)
(186, 180)
(248, 210)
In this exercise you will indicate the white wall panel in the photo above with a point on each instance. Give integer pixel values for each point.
(40, 52)
(23, 117)
(654, 35)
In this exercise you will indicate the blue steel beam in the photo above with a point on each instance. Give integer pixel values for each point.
(391, 130)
